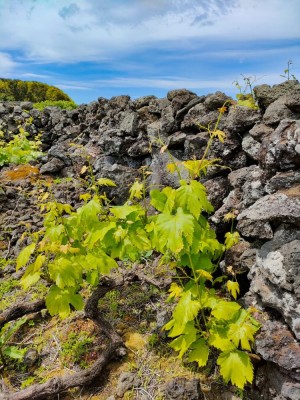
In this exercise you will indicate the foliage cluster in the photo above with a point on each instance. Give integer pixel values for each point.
(79, 246)
(287, 72)
(18, 90)
(63, 104)
(245, 99)
(19, 150)
(7, 350)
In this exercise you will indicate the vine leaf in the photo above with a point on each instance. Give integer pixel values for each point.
(13, 352)
(105, 182)
(186, 310)
(184, 341)
(63, 273)
(219, 339)
(175, 291)
(231, 239)
(235, 366)
(158, 199)
(172, 229)
(121, 212)
(233, 288)
(225, 310)
(136, 190)
(199, 353)
(242, 331)
(24, 256)
(192, 197)
(58, 301)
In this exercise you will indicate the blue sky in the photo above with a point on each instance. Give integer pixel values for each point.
(104, 48)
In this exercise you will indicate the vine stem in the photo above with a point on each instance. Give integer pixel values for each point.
(198, 291)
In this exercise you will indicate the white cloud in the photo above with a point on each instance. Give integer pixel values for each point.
(7, 65)
(96, 30)
(35, 76)
(70, 86)
(162, 83)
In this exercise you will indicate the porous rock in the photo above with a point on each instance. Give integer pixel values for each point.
(183, 389)
(275, 275)
(265, 94)
(283, 146)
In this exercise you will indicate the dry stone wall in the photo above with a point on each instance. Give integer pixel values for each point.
(258, 177)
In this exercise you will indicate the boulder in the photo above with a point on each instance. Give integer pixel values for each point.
(277, 111)
(265, 94)
(216, 100)
(282, 150)
(241, 119)
(275, 276)
(282, 206)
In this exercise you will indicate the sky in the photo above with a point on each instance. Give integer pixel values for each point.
(105, 48)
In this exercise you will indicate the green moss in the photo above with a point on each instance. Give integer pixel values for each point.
(75, 347)
(63, 104)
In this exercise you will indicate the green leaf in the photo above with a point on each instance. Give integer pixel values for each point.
(236, 366)
(242, 331)
(67, 208)
(158, 199)
(172, 229)
(33, 272)
(89, 211)
(13, 352)
(184, 341)
(24, 255)
(186, 310)
(64, 273)
(121, 212)
(30, 277)
(136, 190)
(233, 288)
(225, 310)
(170, 194)
(199, 353)
(105, 182)
(100, 261)
(192, 197)
(219, 339)
(58, 301)
(9, 329)
(102, 229)
(55, 233)
(231, 239)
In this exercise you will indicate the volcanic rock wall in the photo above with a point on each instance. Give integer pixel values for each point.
(258, 177)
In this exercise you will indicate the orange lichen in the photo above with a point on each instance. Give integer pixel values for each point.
(20, 172)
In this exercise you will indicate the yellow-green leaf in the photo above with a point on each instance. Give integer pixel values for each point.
(186, 310)
(231, 239)
(136, 190)
(236, 366)
(199, 353)
(219, 339)
(58, 301)
(173, 229)
(225, 310)
(184, 341)
(242, 331)
(24, 255)
(174, 290)
(233, 288)
(105, 182)
(220, 135)
(171, 167)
